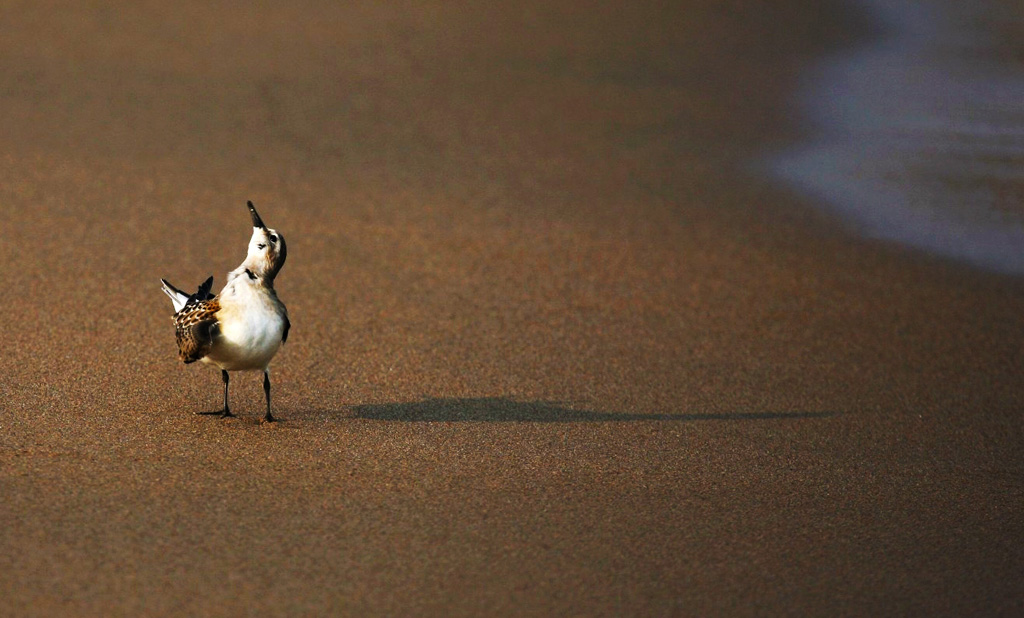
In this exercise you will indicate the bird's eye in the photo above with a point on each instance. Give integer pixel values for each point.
(261, 246)
(273, 238)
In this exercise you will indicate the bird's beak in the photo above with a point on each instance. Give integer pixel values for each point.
(256, 221)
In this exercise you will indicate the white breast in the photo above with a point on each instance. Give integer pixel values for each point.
(251, 327)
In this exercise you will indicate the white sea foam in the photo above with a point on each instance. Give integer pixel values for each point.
(921, 135)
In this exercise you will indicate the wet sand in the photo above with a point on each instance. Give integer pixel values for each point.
(553, 352)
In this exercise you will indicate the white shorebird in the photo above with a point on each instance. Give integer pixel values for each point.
(243, 327)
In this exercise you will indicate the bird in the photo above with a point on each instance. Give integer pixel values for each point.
(242, 327)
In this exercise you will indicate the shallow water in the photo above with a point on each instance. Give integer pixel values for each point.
(921, 132)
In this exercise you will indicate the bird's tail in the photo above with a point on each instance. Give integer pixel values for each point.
(180, 299)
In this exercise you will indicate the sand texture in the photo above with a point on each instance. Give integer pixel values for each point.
(555, 348)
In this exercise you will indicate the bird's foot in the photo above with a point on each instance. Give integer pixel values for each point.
(269, 418)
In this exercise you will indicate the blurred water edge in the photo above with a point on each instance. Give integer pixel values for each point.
(920, 133)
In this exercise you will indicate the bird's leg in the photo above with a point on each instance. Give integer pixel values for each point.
(226, 411)
(266, 389)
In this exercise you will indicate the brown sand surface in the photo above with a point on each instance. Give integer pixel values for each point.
(554, 351)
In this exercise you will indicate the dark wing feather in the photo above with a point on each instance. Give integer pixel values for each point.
(203, 293)
(287, 327)
(172, 288)
(196, 328)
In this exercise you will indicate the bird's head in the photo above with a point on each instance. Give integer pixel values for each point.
(267, 249)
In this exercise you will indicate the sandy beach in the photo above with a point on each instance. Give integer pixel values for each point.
(555, 348)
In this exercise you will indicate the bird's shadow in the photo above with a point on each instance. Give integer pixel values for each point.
(506, 410)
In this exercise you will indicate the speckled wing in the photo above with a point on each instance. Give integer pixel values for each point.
(196, 328)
